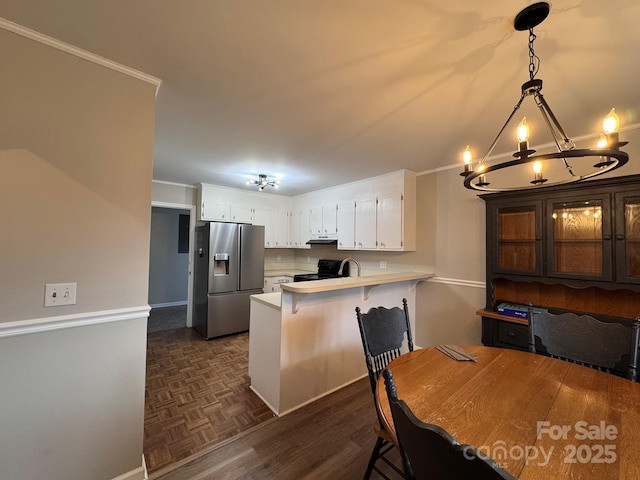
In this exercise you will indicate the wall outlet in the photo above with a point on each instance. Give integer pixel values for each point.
(279, 257)
(383, 264)
(56, 294)
(308, 259)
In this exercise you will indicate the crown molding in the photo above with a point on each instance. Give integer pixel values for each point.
(164, 182)
(78, 52)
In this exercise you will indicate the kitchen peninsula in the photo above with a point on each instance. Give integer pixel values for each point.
(304, 341)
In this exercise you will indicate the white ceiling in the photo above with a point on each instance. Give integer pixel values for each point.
(324, 92)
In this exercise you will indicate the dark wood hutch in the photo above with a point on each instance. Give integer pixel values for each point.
(566, 248)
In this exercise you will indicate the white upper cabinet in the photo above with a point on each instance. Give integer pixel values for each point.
(222, 204)
(374, 214)
(323, 220)
(213, 211)
(242, 213)
(389, 221)
(366, 225)
(346, 223)
(281, 228)
(330, 219)
(264, 216)
(300, 226)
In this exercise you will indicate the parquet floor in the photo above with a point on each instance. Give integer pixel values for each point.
(197, 394)
(330, 438)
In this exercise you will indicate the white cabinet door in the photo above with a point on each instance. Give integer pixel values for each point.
(323, 220)
(264, 216)
(366, 224)
(281, 228)
(315, 220)
(329, 219)
(300, 229)
(389, 222)
(241, 213)
(346, 223)
(304, 229)
(215, 212)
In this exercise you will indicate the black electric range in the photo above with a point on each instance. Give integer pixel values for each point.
(326, 269)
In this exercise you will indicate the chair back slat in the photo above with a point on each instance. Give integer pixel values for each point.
(385, 334)
(584, 340)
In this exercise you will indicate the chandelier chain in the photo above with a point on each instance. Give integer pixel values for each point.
(534, 60)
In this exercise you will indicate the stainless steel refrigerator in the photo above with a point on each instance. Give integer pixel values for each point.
(228, 268)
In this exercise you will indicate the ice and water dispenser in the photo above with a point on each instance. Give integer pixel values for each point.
(220, 264)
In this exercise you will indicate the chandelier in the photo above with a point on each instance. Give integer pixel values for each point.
(607, 153)
(264, 181)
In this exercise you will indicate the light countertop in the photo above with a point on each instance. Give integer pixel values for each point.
(272, 299)
(353, 282)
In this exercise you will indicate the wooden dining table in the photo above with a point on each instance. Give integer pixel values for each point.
(539, 417)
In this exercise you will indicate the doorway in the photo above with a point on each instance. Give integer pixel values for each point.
(171, 251)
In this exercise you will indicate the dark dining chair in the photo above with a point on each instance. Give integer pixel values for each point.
(383, 331)
(607, 346)
(430, 452)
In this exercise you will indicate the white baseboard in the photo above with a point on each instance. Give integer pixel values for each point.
(311, 400)
(169, 304)
(263, 399)
(139, 473)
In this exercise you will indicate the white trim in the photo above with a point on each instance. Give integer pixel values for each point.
(192, 234)
(164, 182)
(264, 400)
(176, 206)
(48, 324)
(297, 407)
(78, 52)
(139, 473)
(458, 282)
(169, 304)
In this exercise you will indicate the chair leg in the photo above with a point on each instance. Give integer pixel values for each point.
(374, 457)
(380, 449)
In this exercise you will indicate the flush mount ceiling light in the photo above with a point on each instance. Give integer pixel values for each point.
(264, 181)
(607, 153)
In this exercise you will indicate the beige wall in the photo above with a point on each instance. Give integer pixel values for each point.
(174, 193)
(76, 175)
(75, 192)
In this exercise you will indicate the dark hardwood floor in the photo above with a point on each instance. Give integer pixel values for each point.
(331, 438)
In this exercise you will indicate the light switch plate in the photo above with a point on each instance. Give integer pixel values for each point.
(57, 294)
(383, 264)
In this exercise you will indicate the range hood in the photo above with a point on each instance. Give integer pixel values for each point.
(323, 240)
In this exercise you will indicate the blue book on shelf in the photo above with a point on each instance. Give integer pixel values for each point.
(515, 310)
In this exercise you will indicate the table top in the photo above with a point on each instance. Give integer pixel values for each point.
(537, 416)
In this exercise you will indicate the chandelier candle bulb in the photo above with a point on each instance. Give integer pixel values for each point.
(537, 174)
(610, 125)
(522, 133)
(467, 157)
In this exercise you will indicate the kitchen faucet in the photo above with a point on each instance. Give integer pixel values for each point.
(345, 261)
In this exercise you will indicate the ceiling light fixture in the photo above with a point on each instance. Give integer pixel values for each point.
(608, 152)
(263, 181)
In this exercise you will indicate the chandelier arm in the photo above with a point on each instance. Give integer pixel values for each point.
(548, 114)
(495, 141)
